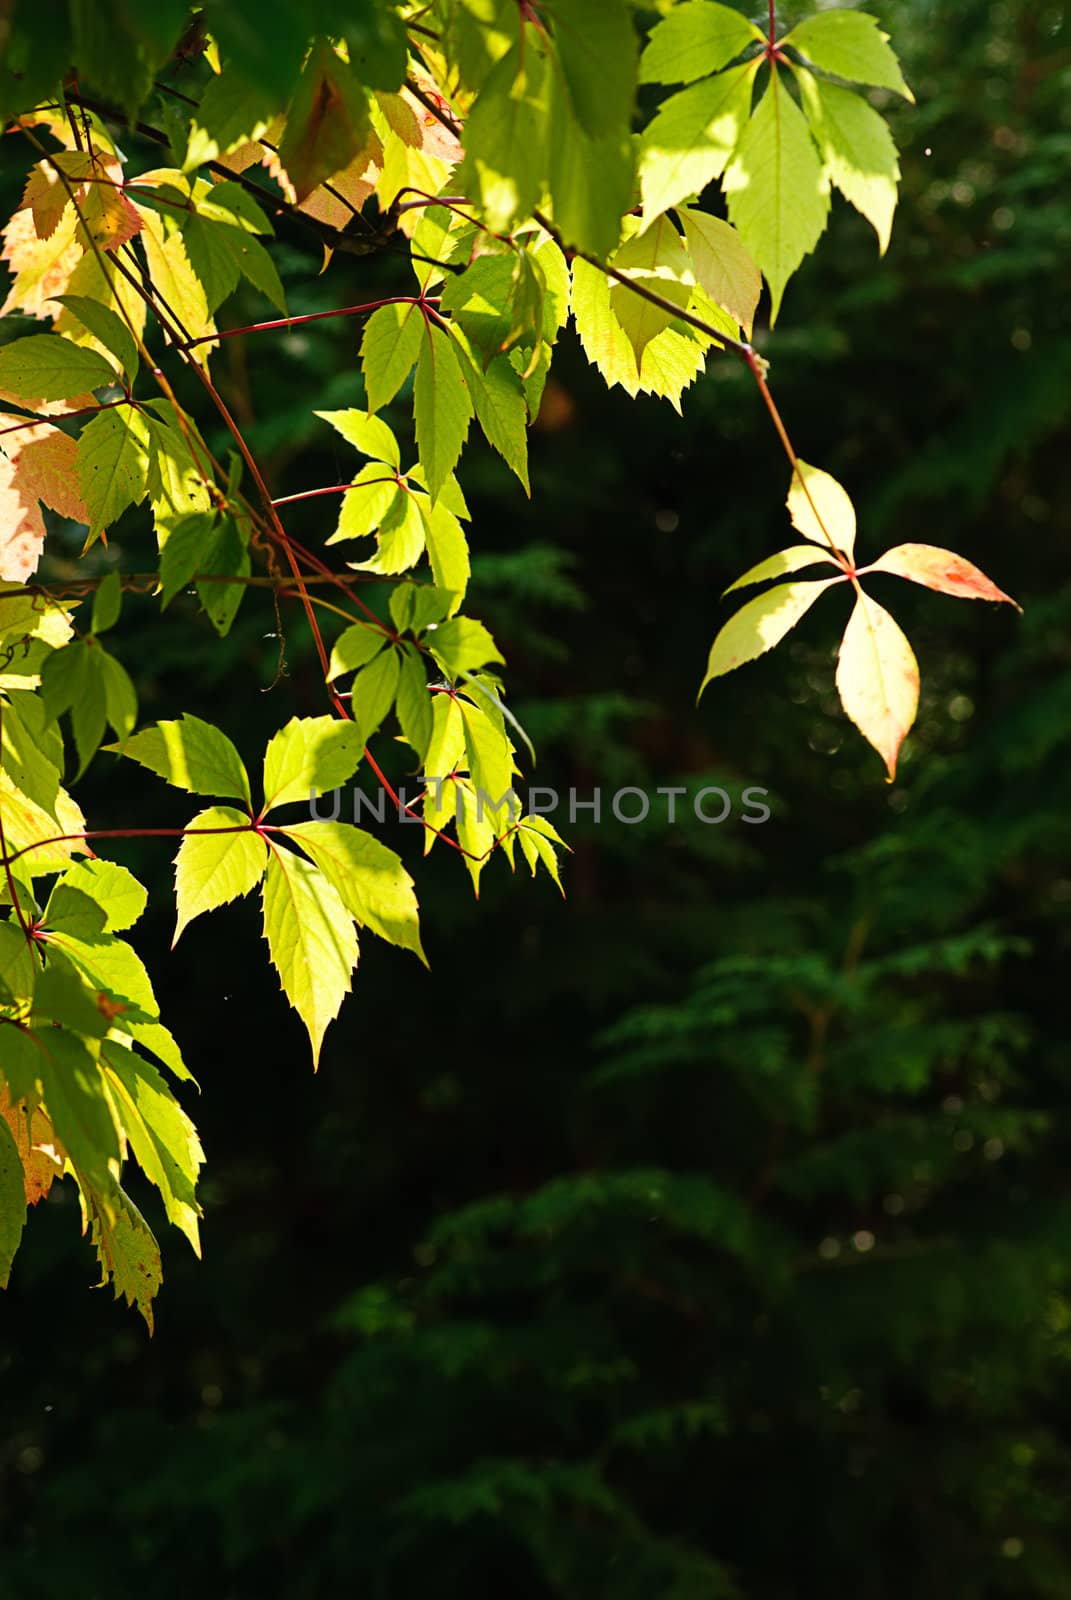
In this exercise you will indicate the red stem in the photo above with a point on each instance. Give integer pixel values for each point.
(309, 316)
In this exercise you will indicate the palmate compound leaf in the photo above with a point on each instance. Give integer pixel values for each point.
(695, 38)
(821, 509)
(311, 939)
(939, 569)
(671, 361)
(213, 868)
(761, 624)
(371, 880)
(190, 754)
(777, 188)
(878, 679)
(309, 756)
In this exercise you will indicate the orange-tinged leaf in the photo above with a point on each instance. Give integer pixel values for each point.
(40, 1151)
(348, 190)
(821, 509)
(109, 217)
(46, 196)
(327, 123)
(45, 463)
(878, 679)
(942, 570)
(41, 268)
(761, 624)
(22, 528)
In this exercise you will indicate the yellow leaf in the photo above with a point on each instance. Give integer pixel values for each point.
(821, 509)
(878, 679)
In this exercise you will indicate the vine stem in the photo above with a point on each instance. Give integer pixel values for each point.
(309, 316)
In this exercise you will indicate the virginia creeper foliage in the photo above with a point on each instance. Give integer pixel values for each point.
(640, 174)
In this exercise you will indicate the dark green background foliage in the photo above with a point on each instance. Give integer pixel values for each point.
(707, 1233)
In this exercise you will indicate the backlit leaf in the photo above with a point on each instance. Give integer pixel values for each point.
(695, 38)
(192, 755)
(722, 265)
(46, 367)
(211, 869)
(939, 569)
(371, 880)
(761, 624)
(692, 137)
(777, 189)
(851, 45)
(307, 757)
(442, 408)
(311, 939)
(857, 148)
(821, 509)
(878, 679)
(791, 560)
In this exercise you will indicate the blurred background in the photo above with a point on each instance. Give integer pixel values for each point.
(708, 1232)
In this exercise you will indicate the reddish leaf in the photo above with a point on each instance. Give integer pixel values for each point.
(942, 570)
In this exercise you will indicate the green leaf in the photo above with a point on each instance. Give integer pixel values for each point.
(192, 755)
(160, 1134)
(129, 1256)
(95, 897)
(109, 965)
(777, 189)
(462, 645)
(442, 408)
(448, 550)
(761, 624)
(400, 539)
(791, 560)
(480, 300)
(695, 38)
(45, 366)
(857, 148)
(354, 649)
(821, 509)
(211, 869)
(851, 45)
(670, 361)
(656, 259)
(374, 497)
(505, 139)
(597, 49)
(184, 549)
(878, 679)
(373, 692)
(538, 838)
(490, 762)
(311, 939)
(107, 603)
(78, 1104)
(327, 122)
(590, 179)
(113, 464)
(108, 327)
(389, 351)
(12, 1202)
(225, 556)
(368, 434)
(17, 969)
(723, 266)
(370, 879)
(307, 757)
(414, 605)
(85, 680)
(414, 701)
(501, 410)
(692, 138)
(120, 696)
